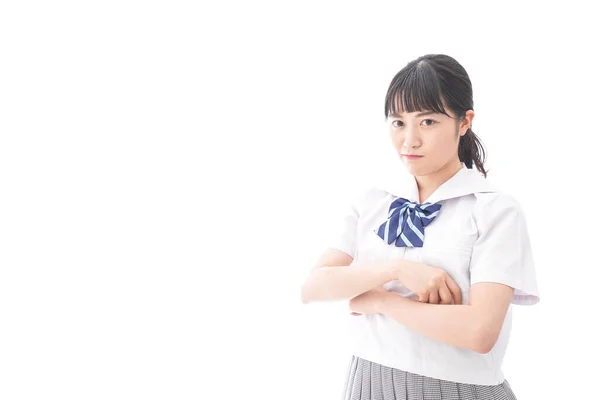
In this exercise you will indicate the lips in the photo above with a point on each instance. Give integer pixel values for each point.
(411, 155)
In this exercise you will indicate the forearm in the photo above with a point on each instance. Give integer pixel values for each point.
(344, 283)
(456, 325)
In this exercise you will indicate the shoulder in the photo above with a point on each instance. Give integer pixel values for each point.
(494, 207)
(367, 195)
(491, 202)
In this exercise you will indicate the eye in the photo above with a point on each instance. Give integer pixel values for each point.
(430, 120)
(394, 123)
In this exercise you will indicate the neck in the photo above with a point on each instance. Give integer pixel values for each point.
(428, 184)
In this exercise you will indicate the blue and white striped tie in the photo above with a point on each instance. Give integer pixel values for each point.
(406, 222)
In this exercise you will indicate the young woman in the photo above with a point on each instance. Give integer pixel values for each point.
(436, 256)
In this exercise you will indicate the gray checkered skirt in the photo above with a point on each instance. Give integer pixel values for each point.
(367, 380)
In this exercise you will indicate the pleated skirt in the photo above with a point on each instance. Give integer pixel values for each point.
(367, 380)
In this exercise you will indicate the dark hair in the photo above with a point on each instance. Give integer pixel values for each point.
(431, 82)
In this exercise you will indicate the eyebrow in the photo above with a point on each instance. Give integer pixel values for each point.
(418, 115)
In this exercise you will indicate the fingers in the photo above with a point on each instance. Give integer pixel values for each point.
(434, 298)
(445, 295)
(456, 293)
(442, 290)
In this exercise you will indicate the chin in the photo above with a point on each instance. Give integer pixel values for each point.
(416, 170)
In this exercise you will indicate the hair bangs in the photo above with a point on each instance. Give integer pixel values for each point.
(415, 88)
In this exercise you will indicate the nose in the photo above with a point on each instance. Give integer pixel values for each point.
(411, 139)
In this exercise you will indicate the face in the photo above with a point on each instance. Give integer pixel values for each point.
(434, 137)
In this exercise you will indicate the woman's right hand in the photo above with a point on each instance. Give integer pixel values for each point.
(430, 284)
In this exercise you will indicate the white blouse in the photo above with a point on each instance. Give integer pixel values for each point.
(479, 235)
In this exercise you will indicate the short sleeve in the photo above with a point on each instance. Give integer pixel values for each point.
(344, 224)
(502, 252)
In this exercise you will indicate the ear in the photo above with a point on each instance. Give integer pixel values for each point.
(466, 122)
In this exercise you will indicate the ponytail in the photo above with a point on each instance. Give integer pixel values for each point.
(470, 150)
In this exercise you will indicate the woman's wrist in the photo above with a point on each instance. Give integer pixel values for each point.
(396, 269)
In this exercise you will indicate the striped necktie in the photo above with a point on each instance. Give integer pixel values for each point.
(406, 222)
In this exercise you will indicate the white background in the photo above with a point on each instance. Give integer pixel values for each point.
(169, 172)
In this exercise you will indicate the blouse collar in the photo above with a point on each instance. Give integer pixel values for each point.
(466, 181)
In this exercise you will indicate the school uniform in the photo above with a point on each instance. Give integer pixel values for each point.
(478, 235)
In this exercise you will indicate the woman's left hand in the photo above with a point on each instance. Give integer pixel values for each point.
(368, 302)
